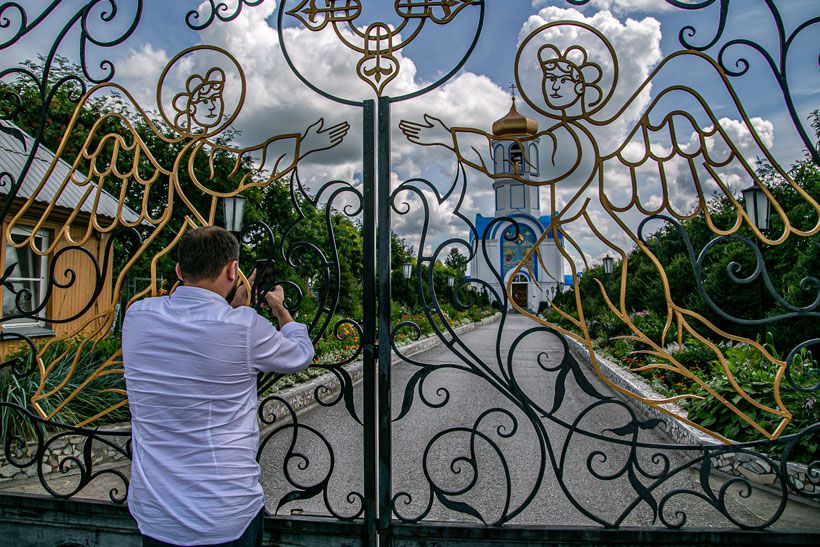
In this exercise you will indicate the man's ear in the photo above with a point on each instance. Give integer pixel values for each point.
(232, 268)
(179, 272)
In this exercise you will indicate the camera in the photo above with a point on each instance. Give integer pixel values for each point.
(265, 281)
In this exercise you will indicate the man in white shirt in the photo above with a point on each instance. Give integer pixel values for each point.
(191, 361)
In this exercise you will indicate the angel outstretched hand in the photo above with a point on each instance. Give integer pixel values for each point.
(316, 137)
(432, 132)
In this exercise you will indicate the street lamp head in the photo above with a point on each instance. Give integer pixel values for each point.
(757, 206)
(609, 262)
(407, 270)
(451, 281)
(234, 209)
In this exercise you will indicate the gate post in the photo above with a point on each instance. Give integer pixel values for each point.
(385, 304)
(370, 441)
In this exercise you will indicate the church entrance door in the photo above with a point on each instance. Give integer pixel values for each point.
(520, 291)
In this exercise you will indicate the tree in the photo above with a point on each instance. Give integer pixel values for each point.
(456, 261)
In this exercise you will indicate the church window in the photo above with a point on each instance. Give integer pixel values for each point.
(498, 158)
(516, 159)
(533, 159)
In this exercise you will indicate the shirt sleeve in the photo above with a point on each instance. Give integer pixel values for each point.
(285, 351)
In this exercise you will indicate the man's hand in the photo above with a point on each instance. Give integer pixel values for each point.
(276, 300)
(240, 297)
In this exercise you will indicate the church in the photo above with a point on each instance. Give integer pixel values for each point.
(521, 202)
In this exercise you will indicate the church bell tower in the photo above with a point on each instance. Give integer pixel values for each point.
(512, 156)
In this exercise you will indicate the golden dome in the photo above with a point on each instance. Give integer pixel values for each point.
(515, 125)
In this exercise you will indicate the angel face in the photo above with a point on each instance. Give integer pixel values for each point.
(563, 84)
(206, 105)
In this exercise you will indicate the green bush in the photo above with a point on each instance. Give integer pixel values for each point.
(92, 400)
(649, 323)
(755, 375)
(694, 355)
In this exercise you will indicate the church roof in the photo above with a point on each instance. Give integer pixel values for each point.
(514, 124)
(481, 223)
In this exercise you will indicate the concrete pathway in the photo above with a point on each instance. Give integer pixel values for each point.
(438, 461)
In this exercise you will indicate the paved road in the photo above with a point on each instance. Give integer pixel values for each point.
(496, 471)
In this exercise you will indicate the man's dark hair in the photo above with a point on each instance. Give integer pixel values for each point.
(203, 252)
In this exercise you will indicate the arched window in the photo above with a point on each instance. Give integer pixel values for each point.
(520, 278)
(532, 159)
(516, 159)
(498, 158)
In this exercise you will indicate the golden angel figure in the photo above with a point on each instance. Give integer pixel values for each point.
(676, 133)
(121, 162)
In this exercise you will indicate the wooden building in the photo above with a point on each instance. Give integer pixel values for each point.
(63, 282)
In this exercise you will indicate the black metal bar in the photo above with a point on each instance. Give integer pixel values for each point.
(370, 442)
(384, 399)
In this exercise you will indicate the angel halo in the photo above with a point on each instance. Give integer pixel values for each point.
(572, 81)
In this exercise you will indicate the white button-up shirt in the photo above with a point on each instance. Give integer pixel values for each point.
(191, 362)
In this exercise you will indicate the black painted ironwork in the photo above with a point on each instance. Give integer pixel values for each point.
(650, 471)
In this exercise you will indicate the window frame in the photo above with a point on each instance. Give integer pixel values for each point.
(31, 325)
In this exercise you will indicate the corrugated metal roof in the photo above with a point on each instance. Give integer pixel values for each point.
(13, 157)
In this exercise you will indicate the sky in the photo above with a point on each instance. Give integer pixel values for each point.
(643, 33)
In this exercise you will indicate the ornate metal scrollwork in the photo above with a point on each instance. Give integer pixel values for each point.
(607, 441)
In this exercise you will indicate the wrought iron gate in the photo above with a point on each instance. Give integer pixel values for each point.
(554, 433)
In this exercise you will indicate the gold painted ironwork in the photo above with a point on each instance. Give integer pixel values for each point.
(195, 115)
(577, 96)
(378, 42)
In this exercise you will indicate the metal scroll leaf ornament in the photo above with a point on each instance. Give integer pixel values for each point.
(379, 43)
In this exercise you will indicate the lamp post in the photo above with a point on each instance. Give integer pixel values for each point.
(757, 207)
(234, 209)
(407, 271)
(609, 262)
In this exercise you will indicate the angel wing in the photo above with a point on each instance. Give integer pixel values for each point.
(67, 212)
(114, 181)
(681, 154)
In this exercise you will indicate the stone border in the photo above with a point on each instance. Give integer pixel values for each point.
(737, 465)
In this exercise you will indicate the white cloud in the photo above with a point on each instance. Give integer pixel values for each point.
(141, 71)
(620, 6)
